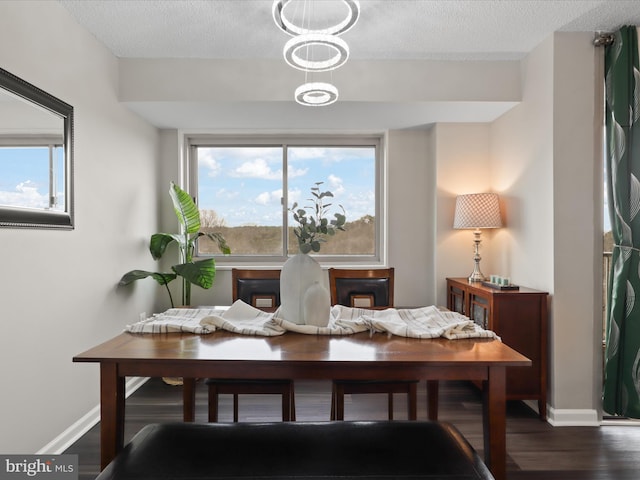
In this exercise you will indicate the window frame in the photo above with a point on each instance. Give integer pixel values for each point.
(190, 174)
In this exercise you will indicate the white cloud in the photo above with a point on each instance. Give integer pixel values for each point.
(207, 160)
(25, 195)
(296, 172)
(358, 205)
(294, 196)
(258, 168)
(226, 194)
(307, 153)
(328, 155)
(266, 198)
(335, 185)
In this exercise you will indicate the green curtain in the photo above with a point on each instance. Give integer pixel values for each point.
(621, 394)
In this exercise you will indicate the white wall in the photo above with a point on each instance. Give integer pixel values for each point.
(58, 287)
(522, 172)
(462, 157)
(410, 198)
(547, 167)
(577, 239)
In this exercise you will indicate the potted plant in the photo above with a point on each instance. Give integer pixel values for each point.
(304, 296)
(201, 272)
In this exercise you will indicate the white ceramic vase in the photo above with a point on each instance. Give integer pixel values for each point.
(304, 298)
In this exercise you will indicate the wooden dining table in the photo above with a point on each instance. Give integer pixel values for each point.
(223, 354)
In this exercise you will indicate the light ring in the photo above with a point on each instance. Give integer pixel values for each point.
(290, 28)
(334, 44)
(316, 94)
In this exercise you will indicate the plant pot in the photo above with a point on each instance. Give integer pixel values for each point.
(304, 298)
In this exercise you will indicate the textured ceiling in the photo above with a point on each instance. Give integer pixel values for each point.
(397, 29)
(387, 29)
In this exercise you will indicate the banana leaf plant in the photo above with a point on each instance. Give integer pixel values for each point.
(201, 272)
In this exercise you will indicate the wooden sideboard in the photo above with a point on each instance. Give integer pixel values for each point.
(519, 317)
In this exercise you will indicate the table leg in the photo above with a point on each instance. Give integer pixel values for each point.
(432, 399)
(188, 399)
(111, 413)
(495, 422)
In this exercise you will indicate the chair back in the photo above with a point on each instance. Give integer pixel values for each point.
(368, 288)
(258, 288)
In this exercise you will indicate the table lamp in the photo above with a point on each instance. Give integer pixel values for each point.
(476, 211)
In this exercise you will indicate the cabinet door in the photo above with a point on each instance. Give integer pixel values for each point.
(456, 299)
(479, 310)
(518, 320)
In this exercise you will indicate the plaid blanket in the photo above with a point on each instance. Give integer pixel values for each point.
(423, 322)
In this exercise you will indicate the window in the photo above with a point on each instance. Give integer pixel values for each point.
(246, 186)
(32, 176)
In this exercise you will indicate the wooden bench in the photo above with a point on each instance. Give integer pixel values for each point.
(296, 450)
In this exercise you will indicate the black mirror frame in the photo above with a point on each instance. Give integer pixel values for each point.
(16, 217)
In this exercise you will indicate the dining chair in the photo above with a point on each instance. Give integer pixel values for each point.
(369, 289)
(261, 289)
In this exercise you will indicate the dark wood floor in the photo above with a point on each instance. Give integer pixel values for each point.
(536, 450)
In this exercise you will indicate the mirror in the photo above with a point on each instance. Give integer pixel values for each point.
(36, 157)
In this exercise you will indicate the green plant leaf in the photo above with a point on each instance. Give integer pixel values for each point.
(201, 273)
(133, 275)
(219, 240)
(160, 241)
(185, 208)
(305, 247)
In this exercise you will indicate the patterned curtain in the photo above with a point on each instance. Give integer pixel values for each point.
(621, 395)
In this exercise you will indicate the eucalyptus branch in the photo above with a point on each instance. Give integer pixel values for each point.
(313, 228)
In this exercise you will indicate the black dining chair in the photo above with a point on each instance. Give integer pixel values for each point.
(370, 289)
(261, 289)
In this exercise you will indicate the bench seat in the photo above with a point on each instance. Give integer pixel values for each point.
(298, 450)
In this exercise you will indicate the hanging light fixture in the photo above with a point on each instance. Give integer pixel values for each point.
(287, 26)
(312, 40)
(314, 94)
(314, 49)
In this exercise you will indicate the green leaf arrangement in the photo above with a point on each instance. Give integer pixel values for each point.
(313, 224)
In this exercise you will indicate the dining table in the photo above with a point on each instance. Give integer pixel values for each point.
(360, 356)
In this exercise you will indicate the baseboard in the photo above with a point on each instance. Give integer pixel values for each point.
(573, 417)
(84, 424)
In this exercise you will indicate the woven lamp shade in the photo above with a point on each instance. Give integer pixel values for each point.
(477, 210)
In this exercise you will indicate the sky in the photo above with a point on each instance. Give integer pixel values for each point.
(24, 177)
(244, 184)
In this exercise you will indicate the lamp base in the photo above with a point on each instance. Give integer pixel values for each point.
(476, 275)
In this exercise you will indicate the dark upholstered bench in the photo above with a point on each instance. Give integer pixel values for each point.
(345, 450)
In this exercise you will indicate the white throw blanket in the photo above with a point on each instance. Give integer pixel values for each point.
(176, 320)
(424, 322)
(244, 319)
(239, 318)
